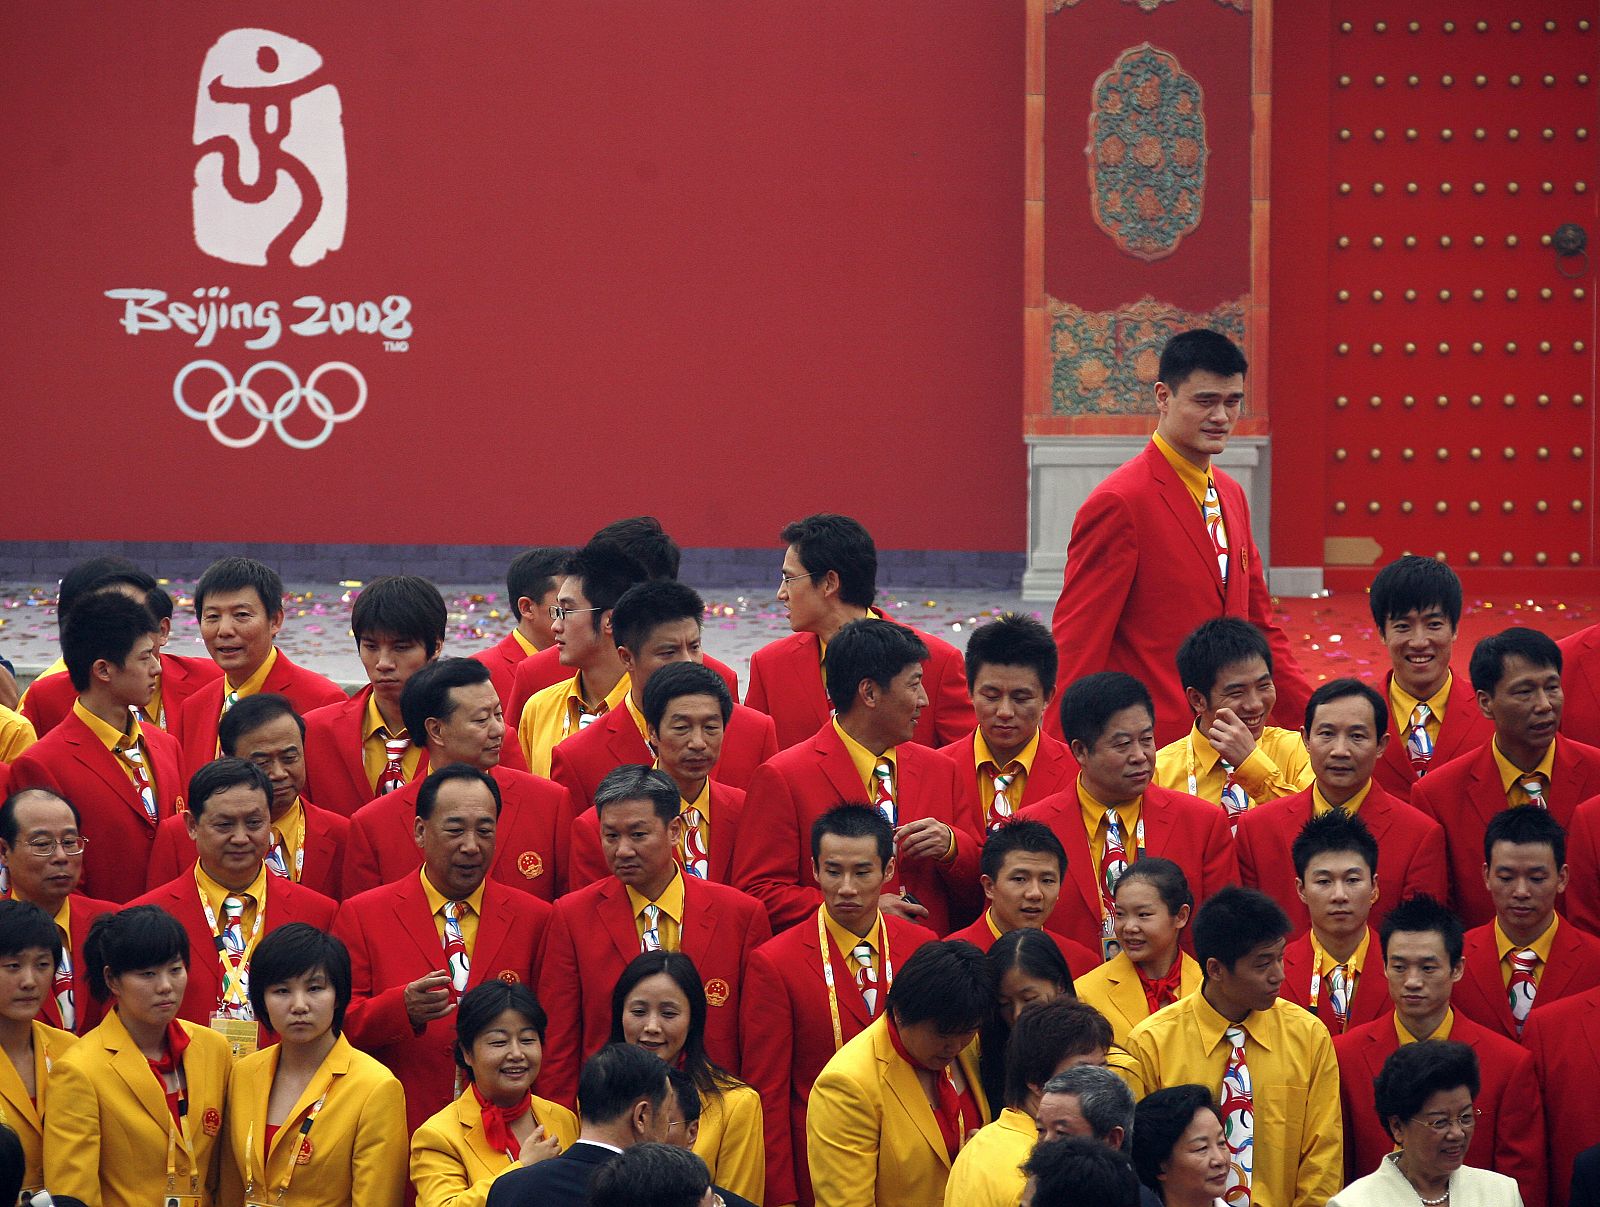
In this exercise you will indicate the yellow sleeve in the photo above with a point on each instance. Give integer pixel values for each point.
(1266, 778)
(1172, 766)
(439, 1175)
(378, 1160)
(844, 1126)
(741, 1159)
(1322, 1136)
(1136, 1064)
(16, 734)
(72, 1133)
(975, 1182)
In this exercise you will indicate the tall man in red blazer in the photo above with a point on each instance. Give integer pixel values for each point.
(655, 624)
(1516, 675)
(1433, 715)
(121, 776)
(1581, 717)
(307, 843)
(801, 1007)
(240, 605)
(1165, 542)
(829, 578)
(418, 944)
(227, 894)
(1528, 956)
(1113, 815)
(1346, 735)
(1008, 762)
(1422, 945)
(865, 751)
(647, 904)
(531, 582)
(1564, 1041)
(42, 847)
(451, 706)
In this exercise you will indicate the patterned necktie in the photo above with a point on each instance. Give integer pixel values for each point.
(866, 976)
(1002, 809)
(1523, 987)
(1234, 799)
(1536, 786)
(393, 776)
(1339, 986)
(134, 758)
(455, 947)
(650, 940)
(1238, 1121)
(233, 939)
(1418, 744)
(66, 1004)
(228, 701)
(692, 852)
(1114, 856)
(1214, 528)
(277, 862)
(883, 784)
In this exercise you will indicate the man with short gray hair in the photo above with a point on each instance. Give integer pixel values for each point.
(1090, 1101)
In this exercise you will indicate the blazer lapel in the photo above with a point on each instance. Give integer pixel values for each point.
(1190, 519)
(699, 923)
(1157, 820)
(838, 767)
(1377, 811)
(902, 1084)
(1048, 777)
(334, 1066)
(1126, 994)
(1565, 953)
(624, 742)
(493, 926)
(416, 920)
(615, 912)
(1486, 794)
(134, 1070)
(849, 996)
(93, 755)
(352, 749)
(803, 667)
(1080, 859)
(1485, 977)
(318, 844)
(1460, 706)
(12, 1092)
(1570, 782)
(470, 1116)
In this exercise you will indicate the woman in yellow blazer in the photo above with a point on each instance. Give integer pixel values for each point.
(497, 1123)
(891, 1110)
(30, 954)
(311, 1121)
(136, 1104)
(660, 1004)
(1153, 905)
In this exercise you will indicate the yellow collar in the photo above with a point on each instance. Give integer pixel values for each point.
(1192, 476)
(1205, 754)
(110, 737)
(1213, 1026)
(1540, 946)
(1093, 807)
(701, 802)
(863, 758)
(437, 900)
(670, 901)
(638, 717)
(616, 696)
(253, 684)
(1326, 963)
(981, 755)
(988, 920)
(1443, 1031)
(373, 721)
(1404, 703)
(847, 939)
(528, 647)
(1510, 774)
(216, 893)
(1320, 805)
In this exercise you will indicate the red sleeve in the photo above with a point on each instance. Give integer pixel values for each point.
(768, 1064)
(588, 862)
(1290, 680)
(1429, 872)
(360, 871)
(1583, 858)
(1102, 558)
(1519, 1137)
(561, 994)
(563, 773)
(1420, 800)
(953, 718)
(164, 859)
(376, 1017)
(766, 855)
(1221, 859)
(960, 875)
(756, 697)
(1244, 851)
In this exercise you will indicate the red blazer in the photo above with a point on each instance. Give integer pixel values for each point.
(1464, 728)
(1481, 995)
(393, 941)
(50, 699)
(180, 897)
(1080, 960)
(80, 917)
(1580, 681)
(531, 837)
(1583, 862)
(588, 861)
(1564, 1042)
(196, 723)
(580, 762)
(73, 763)
(1510, 1136)
(788, 1038)
(326, 834)
(1191, 832)
(539, 671)
(502, 658)
(786, 684)
(1464, 794)
(772, 860)
(593, 939)
(1371, 999)
(1141, 574)
(1054, 770)
(1410, 851)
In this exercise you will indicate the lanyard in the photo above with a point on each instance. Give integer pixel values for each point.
(1194, 766)
(176, 1136)
(827, 970)
(234, 971)
(299, 1144)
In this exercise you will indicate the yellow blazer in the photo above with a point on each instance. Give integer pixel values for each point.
(107, 1129)
(871, 1137)
(19, 1112)
(452, 1164)
(1115, 991)
(732, 1144)
(358, 1139)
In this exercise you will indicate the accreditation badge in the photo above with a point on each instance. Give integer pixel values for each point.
(180, 1200)
(242, 1034)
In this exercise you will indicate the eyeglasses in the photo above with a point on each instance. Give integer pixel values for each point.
(557, 612)
(785, 579)
(1440, 1124)
(46, 847)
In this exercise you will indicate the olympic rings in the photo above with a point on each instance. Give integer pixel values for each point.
(255, 405)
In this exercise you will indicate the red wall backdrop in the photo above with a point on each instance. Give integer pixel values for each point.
(728, 262)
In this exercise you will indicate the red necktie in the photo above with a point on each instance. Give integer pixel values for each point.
(497, 1123)
(393, 776)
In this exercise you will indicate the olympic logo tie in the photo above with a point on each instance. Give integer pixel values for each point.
(455, 947)
(692, 852)
(866, 976)
(1234, 798)
(228, 701)
(1523, 987)
(1419, 746)
(1536, 787)
(650, 940)
(233, 938)
(883, 785)
(393, 776)
(1238, 1121)
(66, 1004)
(1113, 862)
(1215, 529)
(134, 758)
(1339, 989)
(1002, 809)
(276, 863)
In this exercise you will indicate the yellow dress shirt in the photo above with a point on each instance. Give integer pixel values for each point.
(467, 919)
(1511, 776)
(1320, 805)
(1441, 1032)
(1278, 766)
(115, 739)
(1402, 704)
(1299, 1131)
(452, 1165)
(1191, 475)
(552, 714)
(290, 830)
(986, 1172)
(1540, 947)
(253, 684)
(731, 1141)
(669, 925)
(374, 757)
(988, 769)
(1094, 814)
(847, 940)
(865, 761)
(16, 734)
(24, 1114)
(1114, 989)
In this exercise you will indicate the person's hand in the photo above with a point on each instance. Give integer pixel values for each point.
(924, 839)
(539, 1147)
(894, 903)
(9, 696)
(1231, 737)
(428, 998)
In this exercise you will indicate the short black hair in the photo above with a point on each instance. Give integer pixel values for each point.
(426, 695)
(683, 679)
(1215, 645)
(487, 1001)
(1019, 834)
(855, 819)
(428, 794)
(1525, 824)
(1046, 1034)
(404, 606)
(298, 949)
(24, 925)
(1163, 875)
(106, 624)
(650, 1175)
(1035, 952)
(606, 571)
(1013, 639)
(1159, 1121)
(1089, 703)
(947, 983)
(645, 607)
(643, 539)
(826, 542)
(221, 774)
(239, 574)
(251, 714)
(1488, 665)
(1339, 689)
(97, 574)
(616, 1077)
(1413, 1073)
(632, 781)
(868, 649)
(687, 1094)
(1414, 584)
(1233, 922)
(141, 936)
(1421, 914)
(1197, 351)
(159, 602)
(1071, 1170)
(9, 828)
(1334, 830)
(532, 575)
